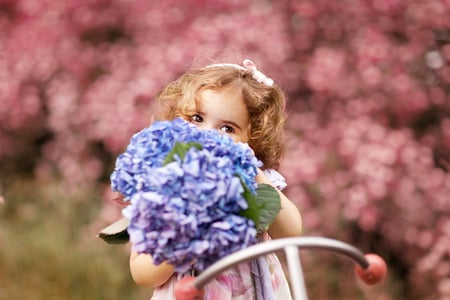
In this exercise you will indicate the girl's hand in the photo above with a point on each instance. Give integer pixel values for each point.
(147, 274)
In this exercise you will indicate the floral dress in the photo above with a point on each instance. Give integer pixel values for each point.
(237, 282)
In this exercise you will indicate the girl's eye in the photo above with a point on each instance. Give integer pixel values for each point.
(196, 118)
(227, 129)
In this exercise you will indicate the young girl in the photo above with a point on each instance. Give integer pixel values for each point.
(245, 104)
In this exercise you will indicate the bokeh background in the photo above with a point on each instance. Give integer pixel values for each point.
(368, 157)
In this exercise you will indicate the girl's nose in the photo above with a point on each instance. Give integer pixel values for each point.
(207, 126)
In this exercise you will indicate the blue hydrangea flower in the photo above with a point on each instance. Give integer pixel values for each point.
(186, 210)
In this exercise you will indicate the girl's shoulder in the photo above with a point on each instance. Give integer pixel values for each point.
(276, 178)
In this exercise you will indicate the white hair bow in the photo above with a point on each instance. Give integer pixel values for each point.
(256, 74)
(250, 66)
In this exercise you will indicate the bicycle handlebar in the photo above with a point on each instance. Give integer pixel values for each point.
(370, 268)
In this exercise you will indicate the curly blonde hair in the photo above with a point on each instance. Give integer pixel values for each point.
(265, 105)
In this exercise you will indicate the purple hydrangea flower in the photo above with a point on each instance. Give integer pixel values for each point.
(186, 210)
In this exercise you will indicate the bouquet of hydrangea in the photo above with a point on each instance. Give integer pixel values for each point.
(192, 194)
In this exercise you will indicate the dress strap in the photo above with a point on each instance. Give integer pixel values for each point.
(276, 178)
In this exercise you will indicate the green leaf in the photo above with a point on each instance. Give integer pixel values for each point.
(116, 233)
(262, 207)
(180, 150)
(252, 212)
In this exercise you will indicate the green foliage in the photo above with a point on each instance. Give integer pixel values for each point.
(48, 251)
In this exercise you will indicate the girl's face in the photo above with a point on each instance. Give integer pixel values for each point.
(222, 110)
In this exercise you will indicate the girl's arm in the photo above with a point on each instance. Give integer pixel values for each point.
(145, 273)
(288, 222)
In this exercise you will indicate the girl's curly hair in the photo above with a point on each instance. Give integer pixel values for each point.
(265, 105)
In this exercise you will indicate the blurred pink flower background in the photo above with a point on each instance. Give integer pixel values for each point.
(367, 83)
